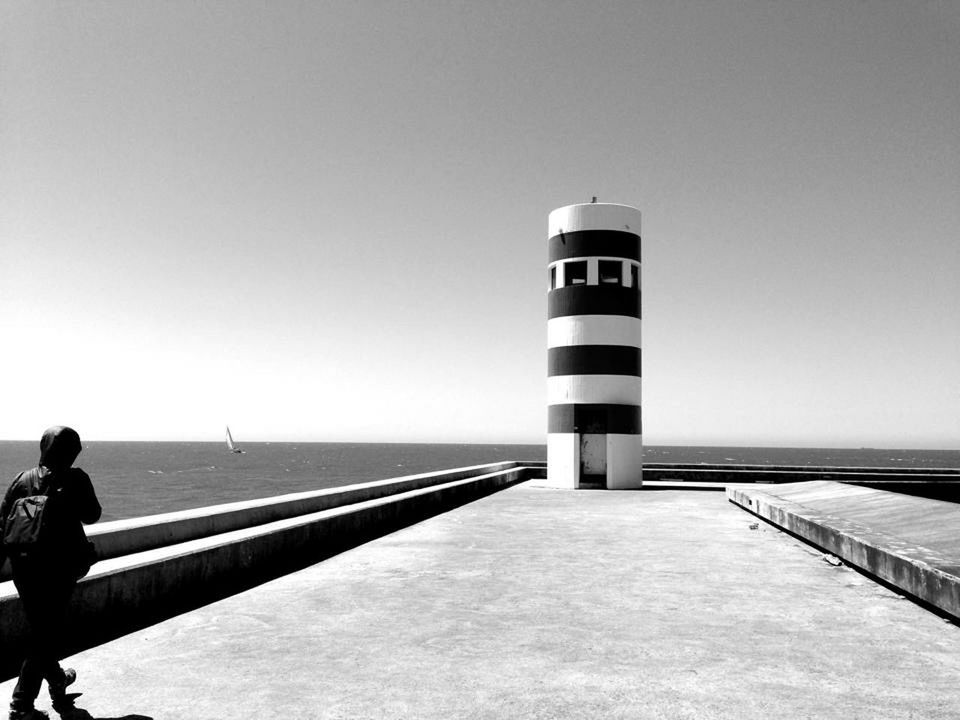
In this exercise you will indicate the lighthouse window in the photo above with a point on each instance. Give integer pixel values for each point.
(575, 273)
(635, 276)
(611, 272)
(553, 278)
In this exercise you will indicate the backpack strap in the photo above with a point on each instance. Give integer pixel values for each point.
(32, 478)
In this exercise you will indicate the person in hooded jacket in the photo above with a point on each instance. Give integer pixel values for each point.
(46, 579)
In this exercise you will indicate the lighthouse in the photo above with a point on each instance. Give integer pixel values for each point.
(594, 437)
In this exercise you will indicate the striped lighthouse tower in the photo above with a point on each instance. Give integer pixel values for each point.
(593, 347)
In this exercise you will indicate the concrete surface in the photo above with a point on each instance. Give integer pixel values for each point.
(540, 603)
(124, 594)
(912, 543)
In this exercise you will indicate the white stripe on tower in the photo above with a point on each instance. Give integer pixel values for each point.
(616, 389)
(593, 330)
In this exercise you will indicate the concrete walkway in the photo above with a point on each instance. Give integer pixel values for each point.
(539, 603)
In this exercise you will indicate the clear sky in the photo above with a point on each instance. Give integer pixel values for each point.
(327, 221)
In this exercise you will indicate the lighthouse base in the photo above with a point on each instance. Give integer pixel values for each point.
(588, 460)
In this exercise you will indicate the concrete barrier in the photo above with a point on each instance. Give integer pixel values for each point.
(934, 483)
(816, 469)
(132, 535)
(127, 593)
(911, 543)
(917, 478)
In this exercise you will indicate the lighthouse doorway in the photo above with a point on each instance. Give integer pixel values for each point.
(593, 460)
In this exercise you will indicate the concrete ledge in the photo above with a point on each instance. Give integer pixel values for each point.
(828, 469)
(131, 592)
(909, 542)
(948, 478)
(133, 535)
(682, 485)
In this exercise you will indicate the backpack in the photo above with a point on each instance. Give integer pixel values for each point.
(30, 523)
(37, 526)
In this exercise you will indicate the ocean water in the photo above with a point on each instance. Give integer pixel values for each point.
(144, 478)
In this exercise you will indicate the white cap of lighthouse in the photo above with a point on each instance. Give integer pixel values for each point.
(594, 436)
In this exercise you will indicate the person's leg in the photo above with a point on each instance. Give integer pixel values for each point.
(28, 686)
(45, 604)
(33, 600)
(56, 627)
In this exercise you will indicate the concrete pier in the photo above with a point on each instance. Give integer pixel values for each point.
(543, 603)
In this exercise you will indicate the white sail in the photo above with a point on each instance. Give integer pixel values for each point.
(230, 446)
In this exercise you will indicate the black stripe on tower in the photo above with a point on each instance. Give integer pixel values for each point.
(593, 360)
(593, 300)
(594, 418)
(595, 243)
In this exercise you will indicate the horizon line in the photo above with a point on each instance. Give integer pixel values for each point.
(504, 442)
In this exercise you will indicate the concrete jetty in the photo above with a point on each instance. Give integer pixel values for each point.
(541, 603)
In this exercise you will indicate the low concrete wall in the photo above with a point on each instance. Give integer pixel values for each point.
(934, 483)
(908, 542)
(127, 593)
(822, 469)
(132, 535)
(946, 478)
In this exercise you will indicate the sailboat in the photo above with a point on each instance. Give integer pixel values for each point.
(231, 446)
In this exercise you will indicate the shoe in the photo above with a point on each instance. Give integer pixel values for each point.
(59, 690)
(63, 701)
(64, 706)
(74, 713)
(31, 714)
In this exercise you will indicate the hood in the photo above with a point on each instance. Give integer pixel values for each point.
(59, 447)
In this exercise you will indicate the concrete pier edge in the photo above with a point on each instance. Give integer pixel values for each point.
(117, 538)
(899, 553)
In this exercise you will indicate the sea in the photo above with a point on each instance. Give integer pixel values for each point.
(134, 479)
